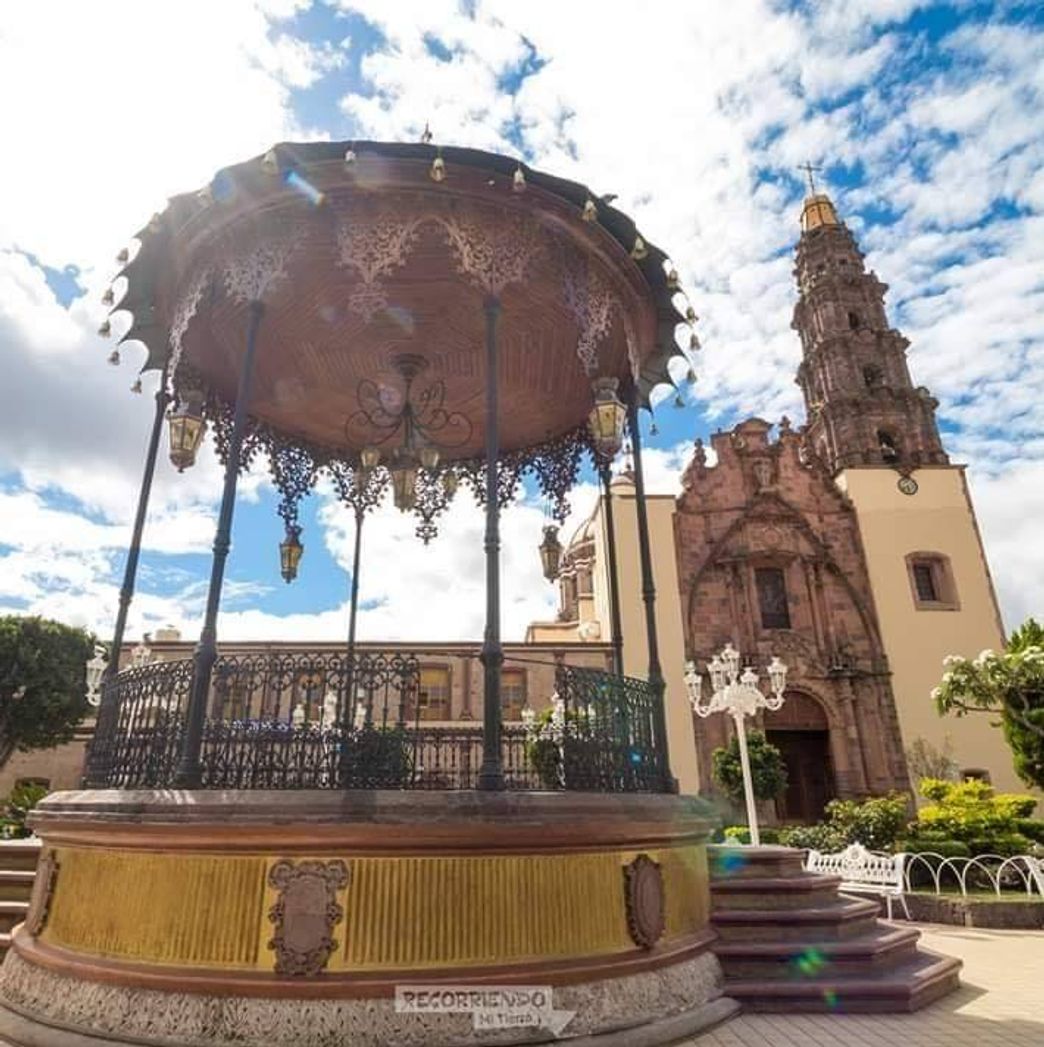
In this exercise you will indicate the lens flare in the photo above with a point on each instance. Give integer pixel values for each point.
(808, 963)
(728, 862)
(830, 997)
(304, 187)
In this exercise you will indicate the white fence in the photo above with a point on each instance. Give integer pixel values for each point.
(1022, 872)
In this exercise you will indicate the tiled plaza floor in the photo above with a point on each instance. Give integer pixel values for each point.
(1000, 1004)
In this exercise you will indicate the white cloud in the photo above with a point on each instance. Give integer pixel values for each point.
(697, 123)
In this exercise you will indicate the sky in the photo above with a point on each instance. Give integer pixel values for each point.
(926, 119)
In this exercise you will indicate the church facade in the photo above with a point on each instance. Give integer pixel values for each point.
(848, 547)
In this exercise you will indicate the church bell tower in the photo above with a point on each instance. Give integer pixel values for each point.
(875, 433)
(862, 407)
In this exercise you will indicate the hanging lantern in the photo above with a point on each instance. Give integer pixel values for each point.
(690, 314)
(694, 342)
(679, 401)
(290, 551)
(590, 212)
(108, 298)
(369, 457)
(105, 330)
(449, 483)
(136, 387)
(550, 552)
(672, 280)
(518, 182)
(438, 169)
(426, 135)
(123, 257)
(186, 427)
(429, 458)
(404, 481)
(639, 251)
(654, 429)
(606, 420)
(114, 358)
(690, 377)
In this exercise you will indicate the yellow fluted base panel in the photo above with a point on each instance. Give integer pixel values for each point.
(400, 912)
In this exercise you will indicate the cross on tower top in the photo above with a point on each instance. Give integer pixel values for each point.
(808, 168)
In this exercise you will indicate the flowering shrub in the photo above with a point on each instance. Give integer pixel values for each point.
(875, 823)
(819, 837)
(1010, 683)
(971, 812)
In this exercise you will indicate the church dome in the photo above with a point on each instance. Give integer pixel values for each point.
(583, 534)
(818, 210)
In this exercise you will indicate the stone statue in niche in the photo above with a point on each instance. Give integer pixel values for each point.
(305, 914)
(762, 470)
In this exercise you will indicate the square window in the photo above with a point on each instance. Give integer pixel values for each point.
(512, 693)
(433, 698)
(931, 582)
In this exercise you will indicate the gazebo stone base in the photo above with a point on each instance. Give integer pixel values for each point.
(45, 1009)
(293, 918)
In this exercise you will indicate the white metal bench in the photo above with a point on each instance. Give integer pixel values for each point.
(863, 871)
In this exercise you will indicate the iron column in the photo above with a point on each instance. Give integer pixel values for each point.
(492, 657)
(188, 773)
(353, 613)
(95, 765)
(656, 680)
(614, 582)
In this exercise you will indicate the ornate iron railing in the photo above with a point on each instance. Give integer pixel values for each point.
(291, 720)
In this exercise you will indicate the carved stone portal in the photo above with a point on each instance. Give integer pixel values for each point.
(305, 914)
(43, 891)
(643, 893)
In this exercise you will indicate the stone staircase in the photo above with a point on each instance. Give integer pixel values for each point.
(18, 860)
(788, 941)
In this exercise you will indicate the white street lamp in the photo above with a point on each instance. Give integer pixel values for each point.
(739, 695)
(95, 673)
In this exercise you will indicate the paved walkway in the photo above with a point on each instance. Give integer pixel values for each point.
(1000, 1004)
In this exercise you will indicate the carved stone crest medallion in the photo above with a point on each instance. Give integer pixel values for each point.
(43, 891)
(644, 897)
(305, 914)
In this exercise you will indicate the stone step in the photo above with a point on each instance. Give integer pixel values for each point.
(919, 981)
(840, 918)
(733, 863)
(12, 913)
(19, 854)
(803, 891)
(885, 947)
(16, 885)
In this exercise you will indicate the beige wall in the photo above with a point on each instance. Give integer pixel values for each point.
(62, 766)
(939, 518)
(681, 741)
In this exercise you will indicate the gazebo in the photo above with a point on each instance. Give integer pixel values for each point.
(280, 833)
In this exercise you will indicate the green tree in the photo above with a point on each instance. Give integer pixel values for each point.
(768, 772)
(1010, 683)
(43, 683)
